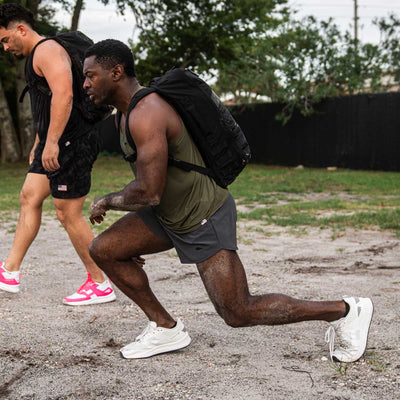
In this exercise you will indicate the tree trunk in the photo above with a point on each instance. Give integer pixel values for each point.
(9, 147)
(32, 5)
(25, 119)
(75, 17)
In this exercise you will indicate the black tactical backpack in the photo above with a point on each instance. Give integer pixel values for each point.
(220, 140)
(75, 43)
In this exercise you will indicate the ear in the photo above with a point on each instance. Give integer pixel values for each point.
(21, 29)
(117, 72)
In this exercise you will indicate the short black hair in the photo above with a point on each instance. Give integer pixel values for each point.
(12, 12)
(111, 52)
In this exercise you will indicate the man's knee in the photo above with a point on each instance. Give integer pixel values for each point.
(102, 249)
(28, 198)
(235, 318)
(61, 217)
(69, 211)
(98, 250)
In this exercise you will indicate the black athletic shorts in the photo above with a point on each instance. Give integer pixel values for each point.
(216, 233)
(73, 179)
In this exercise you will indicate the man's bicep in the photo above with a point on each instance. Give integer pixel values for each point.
(152, 153)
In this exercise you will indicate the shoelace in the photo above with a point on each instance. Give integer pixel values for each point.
(149, 328)
(330, 339)
(344, 343)
(87, 283)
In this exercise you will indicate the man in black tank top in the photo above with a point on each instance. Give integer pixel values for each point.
(61, 158)
(156, 128)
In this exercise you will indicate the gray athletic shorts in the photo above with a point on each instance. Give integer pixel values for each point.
(218, 232)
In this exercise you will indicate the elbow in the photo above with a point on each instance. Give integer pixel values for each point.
(153, 200)
(69, 98)
(65, 97)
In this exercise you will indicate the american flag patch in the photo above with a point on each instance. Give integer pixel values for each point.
(62, 188)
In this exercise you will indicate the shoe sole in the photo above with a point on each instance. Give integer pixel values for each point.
(366, 337)
(97, 300)
(9, 288)
(184, 342)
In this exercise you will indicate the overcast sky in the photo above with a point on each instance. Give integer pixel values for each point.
(101, 22)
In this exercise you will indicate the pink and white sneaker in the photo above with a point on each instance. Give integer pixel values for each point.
(9, 281)
(91, 293)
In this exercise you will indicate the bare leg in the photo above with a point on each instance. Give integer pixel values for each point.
(114, 251)
(225, 280)
(34, 191)
(69, 212)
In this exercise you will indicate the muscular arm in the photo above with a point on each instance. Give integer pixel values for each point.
(53, 63)
(148, 124)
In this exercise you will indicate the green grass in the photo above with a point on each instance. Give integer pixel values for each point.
(276, 195)
(256, 181)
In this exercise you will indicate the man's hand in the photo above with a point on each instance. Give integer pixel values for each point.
(139, 261)
(32, 154)
(50, 157)
(98, 210)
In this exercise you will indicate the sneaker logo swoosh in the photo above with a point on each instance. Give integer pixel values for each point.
(359, 310)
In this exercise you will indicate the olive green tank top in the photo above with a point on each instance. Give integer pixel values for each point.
(189, 197)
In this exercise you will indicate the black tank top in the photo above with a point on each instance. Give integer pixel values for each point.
(40, 96)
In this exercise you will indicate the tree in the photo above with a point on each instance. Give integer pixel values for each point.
(390, 45)
(16, 129)
(199, 34)
(306, 61)
(9, 143)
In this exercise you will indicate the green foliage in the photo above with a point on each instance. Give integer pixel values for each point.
(202, 35)
(258, 51)
(46, 26)
(304, 62)
(390, 45)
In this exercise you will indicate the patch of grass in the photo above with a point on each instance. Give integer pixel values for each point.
(263, 179)
(259, 229)
(340, 368)
(246, 241)
(274, 195)
(298, 231)
(376, 362)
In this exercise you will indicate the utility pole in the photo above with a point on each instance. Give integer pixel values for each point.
(355, 21)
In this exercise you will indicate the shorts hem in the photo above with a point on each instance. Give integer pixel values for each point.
(72, 196)
(186, 261)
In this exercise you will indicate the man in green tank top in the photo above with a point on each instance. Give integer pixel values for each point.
(169, 208)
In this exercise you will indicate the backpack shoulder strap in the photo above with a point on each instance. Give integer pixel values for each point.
(117, 120)
(34, 81)
(185, 166)
(139, 95)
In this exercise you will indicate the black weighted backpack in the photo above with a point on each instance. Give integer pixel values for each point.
(218, 137)
(75, 43)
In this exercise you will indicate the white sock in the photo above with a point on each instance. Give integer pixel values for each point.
(103, 286)
(13, 274)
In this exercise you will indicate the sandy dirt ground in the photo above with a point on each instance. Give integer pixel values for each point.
(51, 351)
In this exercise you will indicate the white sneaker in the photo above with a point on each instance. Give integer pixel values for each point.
(351, 330)
(155, 340)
